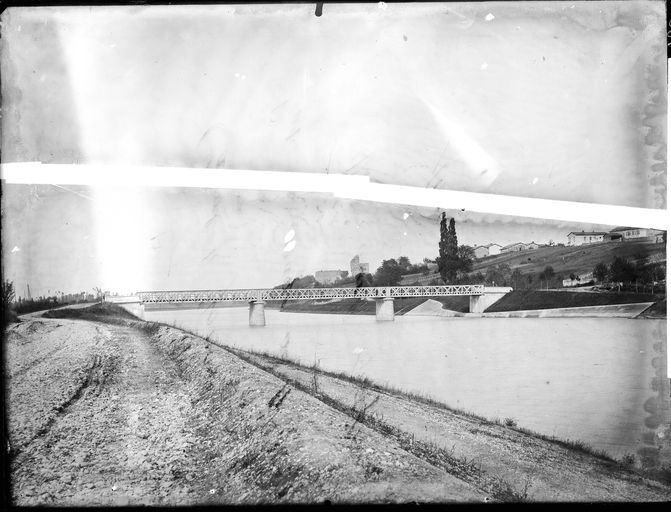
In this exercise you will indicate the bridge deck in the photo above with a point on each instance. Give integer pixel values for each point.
(259, 294)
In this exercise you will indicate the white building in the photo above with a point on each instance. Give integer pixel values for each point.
(481, 251)
(585, 237)
(516, 247)
(329, 276)
(494, 249)
(624, 233)
(581, 279)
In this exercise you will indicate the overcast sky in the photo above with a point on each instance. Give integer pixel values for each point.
(562, 100)
(130, 239)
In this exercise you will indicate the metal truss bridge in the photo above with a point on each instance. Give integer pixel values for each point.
(260, 294)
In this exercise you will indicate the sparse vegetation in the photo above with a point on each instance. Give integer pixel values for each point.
(8, 315)
(315, 381)
(365, 382)
(510, 422)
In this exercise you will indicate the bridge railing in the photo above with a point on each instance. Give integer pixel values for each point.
(260, 294)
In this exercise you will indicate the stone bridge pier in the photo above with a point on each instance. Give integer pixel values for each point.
(384, 309)
(257, 313)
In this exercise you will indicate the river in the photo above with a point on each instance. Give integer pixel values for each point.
(598, 380)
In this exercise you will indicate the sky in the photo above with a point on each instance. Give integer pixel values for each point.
(556, 100)
(128, 239)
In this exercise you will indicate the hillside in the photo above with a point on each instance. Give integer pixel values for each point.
(578, 260)
(564, 260)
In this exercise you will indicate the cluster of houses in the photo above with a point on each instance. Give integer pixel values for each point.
(482, 251)
(331, 276)
(620, 233)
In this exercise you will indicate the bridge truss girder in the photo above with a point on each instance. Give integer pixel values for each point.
(260, 294)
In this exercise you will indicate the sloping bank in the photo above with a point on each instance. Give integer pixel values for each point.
(270, 431)
(379, 446)
(536, 467)
(257, 439)
(275, 441)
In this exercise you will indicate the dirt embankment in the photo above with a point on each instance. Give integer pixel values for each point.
(167, 418)
(158, 416)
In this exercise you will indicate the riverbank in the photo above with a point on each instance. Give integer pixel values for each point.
(155, 415)
(522, 301)
(488, 451)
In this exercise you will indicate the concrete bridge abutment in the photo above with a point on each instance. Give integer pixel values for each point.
(478, 303)
(257, 313)
(384, 309)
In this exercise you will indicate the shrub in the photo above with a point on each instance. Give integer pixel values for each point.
(510, 422)
(628, 460)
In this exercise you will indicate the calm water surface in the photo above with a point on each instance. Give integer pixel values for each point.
(588, 379)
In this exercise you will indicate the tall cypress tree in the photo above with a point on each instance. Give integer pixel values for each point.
(452, 253)
(443, 248)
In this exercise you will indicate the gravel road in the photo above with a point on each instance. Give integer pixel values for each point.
(99, 434)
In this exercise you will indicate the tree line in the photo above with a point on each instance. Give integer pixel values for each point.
(13, 306)
(623, 273)
(454, 262)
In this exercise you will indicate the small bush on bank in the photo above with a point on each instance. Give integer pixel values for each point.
(628, 460)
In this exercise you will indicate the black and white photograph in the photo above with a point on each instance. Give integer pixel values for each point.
(313, 253)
